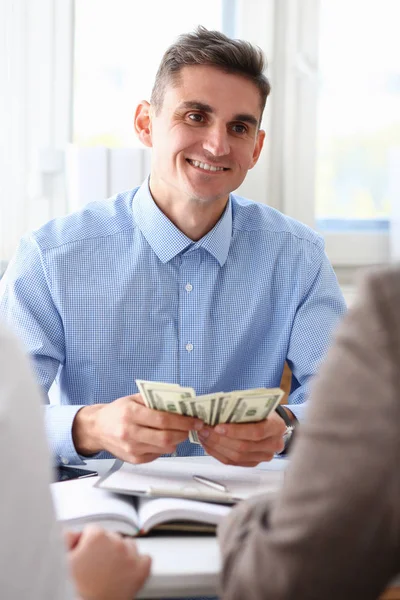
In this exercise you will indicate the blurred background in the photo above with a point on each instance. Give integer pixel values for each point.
(72, 72)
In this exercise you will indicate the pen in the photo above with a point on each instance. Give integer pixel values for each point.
(211, 483)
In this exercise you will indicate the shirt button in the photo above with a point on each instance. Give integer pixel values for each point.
(189, 347)
(64, 460)
(188, 287)
(174, 454)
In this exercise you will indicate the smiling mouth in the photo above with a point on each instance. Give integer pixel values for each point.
(206, 166)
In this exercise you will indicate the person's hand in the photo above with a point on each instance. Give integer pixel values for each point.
(244, 444)
(130, 430)
(104, 565)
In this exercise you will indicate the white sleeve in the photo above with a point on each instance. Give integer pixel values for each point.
(32, 561)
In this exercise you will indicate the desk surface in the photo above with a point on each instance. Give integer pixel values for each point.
(189, 566)
(182, 566)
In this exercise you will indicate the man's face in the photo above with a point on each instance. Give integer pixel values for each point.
(205, 136)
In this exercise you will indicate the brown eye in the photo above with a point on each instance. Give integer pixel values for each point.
(195, 117)
(239, 128)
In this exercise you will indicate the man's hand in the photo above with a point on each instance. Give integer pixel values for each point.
(105, 566)
(244, 444)
(130, 430)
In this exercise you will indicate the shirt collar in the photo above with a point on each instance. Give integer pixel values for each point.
(168, 241)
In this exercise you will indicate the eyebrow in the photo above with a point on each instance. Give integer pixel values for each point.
(195, 105)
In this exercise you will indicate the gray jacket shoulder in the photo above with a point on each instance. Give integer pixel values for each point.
(384, 281)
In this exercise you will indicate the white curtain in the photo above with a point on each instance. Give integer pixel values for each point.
(36, 43)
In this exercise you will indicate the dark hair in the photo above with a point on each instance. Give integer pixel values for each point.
(204, 47)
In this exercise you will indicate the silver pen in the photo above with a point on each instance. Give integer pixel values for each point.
(220, 487)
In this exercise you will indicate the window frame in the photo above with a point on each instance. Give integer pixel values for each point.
(292, 125)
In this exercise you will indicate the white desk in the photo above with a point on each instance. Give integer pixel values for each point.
(182, 566)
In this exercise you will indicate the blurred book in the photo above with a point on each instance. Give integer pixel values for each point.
(78, 503)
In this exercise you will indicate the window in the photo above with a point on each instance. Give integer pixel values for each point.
(358, 125)
(334, 132)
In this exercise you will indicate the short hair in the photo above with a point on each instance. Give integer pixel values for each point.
(204, 47)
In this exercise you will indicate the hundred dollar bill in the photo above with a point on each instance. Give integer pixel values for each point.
(167, 397)
(250, 406)
(141, 384)
(251, 409)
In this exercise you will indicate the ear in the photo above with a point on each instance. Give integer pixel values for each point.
(258, 147)
(142, 123)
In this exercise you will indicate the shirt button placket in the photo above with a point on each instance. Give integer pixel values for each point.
(188, 322)
(189, 288)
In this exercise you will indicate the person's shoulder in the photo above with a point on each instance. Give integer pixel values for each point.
(374, 314)
(383, 285)
(254, 216)
(99, 219)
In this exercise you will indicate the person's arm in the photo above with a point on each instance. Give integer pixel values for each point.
(334, 530)
(31, 554)
(317, 316)
(28, 303)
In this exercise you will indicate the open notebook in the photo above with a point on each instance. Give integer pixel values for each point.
(78, 503)
(134, 499)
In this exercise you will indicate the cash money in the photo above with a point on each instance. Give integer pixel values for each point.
(167, 397)
(239, 406)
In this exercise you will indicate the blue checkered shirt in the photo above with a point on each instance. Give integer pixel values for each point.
(115, 292)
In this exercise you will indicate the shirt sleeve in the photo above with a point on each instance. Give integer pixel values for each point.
(28, 305)
(334, 530)
(32, 554)
(316, 319)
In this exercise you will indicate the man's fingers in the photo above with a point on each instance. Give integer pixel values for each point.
(244, 444)
(136, 451)
(243, 461)
(233, 457)
(139, 459)
(138, 398)
(241, 446)
(271, 427)
(154, 439)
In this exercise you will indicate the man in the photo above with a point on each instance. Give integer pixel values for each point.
(334, 530)
(103, 566)
(177, 281)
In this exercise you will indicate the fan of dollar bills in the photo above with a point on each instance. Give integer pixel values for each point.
(242, 406)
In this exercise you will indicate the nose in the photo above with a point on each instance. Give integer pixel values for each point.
(216, 141)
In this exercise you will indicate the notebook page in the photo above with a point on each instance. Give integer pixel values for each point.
(78, 502)
(166, 476)
(153, 511)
